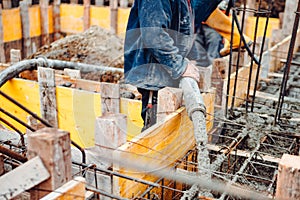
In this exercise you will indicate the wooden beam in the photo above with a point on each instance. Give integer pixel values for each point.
(169, 100)
(27, 50)
(7, 4)
(2, 51)
(272, 97)
(47, 90)
(110, 97)
(72, 73)
(110, 133)
(54, 148)
(44, 21)
(288, 182)
(99, 2)
(86, 14)
(56, 19)
(23, 178)
(74, 189)
(243, 153)
(113, 4)
(15, 56)
(123, 3)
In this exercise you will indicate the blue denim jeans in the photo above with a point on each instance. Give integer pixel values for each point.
(208, 43)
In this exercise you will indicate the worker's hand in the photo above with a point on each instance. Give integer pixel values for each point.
(192, 71)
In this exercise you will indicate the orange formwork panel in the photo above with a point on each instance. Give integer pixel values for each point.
(12, 26)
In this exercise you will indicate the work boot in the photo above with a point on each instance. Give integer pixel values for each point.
(222, 24)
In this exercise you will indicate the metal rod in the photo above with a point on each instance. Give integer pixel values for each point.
(287, 67)
(25, 109)
(17, 120)
(239, 53)
(101, 192)
(232, 2)
(260, 56)
(15, 129)
(12, 154)
(119, 175)
(251, 63)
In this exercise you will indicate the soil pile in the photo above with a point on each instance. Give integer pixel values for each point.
(95, 46)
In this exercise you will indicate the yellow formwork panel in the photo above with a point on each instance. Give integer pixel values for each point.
(77, 111)
(12, 26)
(71, 18)
(34, 21)
(251, 22)
(123, 15)
(100, 16)
(132, 109)
(24, 92)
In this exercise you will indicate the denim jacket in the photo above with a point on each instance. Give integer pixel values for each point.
(158, 39)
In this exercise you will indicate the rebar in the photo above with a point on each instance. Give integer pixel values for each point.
(287, 67)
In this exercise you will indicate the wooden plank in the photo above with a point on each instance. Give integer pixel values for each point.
(123, 3)
(110, 133)
(74, 189)
(161, 144)
(15, 56)
(27, 50)
(56, 19)
(110, 97)
(99, 2)
(7, 4)
(272, 97)
(272, 74)
(289, 17)
(86, 14)
(44, 21)
(22, 178)
(73, 73)
(47, 90)
(241, 86)
(113, 4)
(243, 153)
(169, 100)
(288, 182)
(2, 51)
(54, 148)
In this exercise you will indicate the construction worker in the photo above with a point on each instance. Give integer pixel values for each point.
(158, 42)
(159, 37)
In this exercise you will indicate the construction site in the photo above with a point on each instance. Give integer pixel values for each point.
(70, 128)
